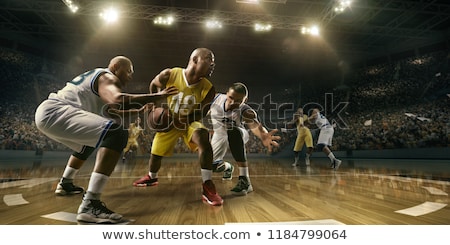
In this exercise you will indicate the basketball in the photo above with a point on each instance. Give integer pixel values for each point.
(160, 119)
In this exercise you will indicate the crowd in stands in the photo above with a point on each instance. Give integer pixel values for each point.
(406, 103)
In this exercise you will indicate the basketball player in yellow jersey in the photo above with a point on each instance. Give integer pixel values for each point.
(134, 131)
(188, 107)
(303, 137)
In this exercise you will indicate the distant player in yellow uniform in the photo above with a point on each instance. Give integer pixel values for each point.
(134, 131)
(303, 137)
(188, 107)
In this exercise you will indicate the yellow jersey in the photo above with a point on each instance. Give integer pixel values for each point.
(189, 97)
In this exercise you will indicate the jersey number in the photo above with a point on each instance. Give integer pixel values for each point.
(183, 105)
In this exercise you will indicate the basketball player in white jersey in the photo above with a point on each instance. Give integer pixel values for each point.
(229, 113)
(77, 116)
(325, 136)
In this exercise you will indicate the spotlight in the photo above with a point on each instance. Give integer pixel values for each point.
(213, 24)
(71, 5)
(164, 20)
(341, 5)
(110, 15)
(313, 30)
(263, 27)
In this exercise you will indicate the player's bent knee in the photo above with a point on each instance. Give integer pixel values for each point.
(320, 147)
(85, 153)
(116, 138)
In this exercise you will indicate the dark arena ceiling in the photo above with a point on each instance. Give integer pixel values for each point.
(366, 31)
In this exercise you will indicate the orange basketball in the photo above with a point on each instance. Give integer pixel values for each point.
(160, 119)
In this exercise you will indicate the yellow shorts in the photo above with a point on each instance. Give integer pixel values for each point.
(164, 142)
(303, 137)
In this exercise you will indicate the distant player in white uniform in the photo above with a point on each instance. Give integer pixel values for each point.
(80, 117)
(229, 113)
(325, 136)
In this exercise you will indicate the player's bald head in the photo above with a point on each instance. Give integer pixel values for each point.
(119, 61)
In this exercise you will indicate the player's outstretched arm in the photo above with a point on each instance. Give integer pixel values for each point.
(269, 139)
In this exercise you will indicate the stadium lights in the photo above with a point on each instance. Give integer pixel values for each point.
(110, 15)
(262, 27)
(313, 30)
(164, 20)
(342, 5)
(71, 5)
(213, 24)
(261, 1)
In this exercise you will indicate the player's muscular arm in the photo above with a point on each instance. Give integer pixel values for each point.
(160, 81)
(110, 91)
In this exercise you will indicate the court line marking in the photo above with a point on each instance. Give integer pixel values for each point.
(14, 200)
(72, 217)
(422, 209)
(28, 183)
(435, 191)
(62, 216)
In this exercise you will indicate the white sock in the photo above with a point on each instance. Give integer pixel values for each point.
(69, 174)
(331, 156)
(153, 175)
(243, 171)
(97, 182)
(206, 174)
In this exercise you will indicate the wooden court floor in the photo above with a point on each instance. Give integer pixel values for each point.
(362, 191)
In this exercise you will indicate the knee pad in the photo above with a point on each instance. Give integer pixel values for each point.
(84, 153)
(116, 138)
(236, 144)
(320, 147)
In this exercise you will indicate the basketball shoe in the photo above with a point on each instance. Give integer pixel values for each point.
(242, 187)
(337, 163)
(307, 161)
(210, 194)
(64, 189)
(95, 211)
(228, 174)
(146, 181)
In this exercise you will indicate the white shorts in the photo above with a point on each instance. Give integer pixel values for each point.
(220, 144)
(70, 125)
(325, 136)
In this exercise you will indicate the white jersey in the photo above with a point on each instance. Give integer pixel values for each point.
(75, 110)
(326, 130)
(80, 92)
(321, 121)
(223, 120)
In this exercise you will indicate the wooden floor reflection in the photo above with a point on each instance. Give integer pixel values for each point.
(375, 192)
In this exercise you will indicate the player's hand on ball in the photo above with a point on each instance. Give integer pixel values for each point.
(168, 91)
(148, 107)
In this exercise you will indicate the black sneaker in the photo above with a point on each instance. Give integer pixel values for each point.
(95, 211)
(242, 187)
(64, 189)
